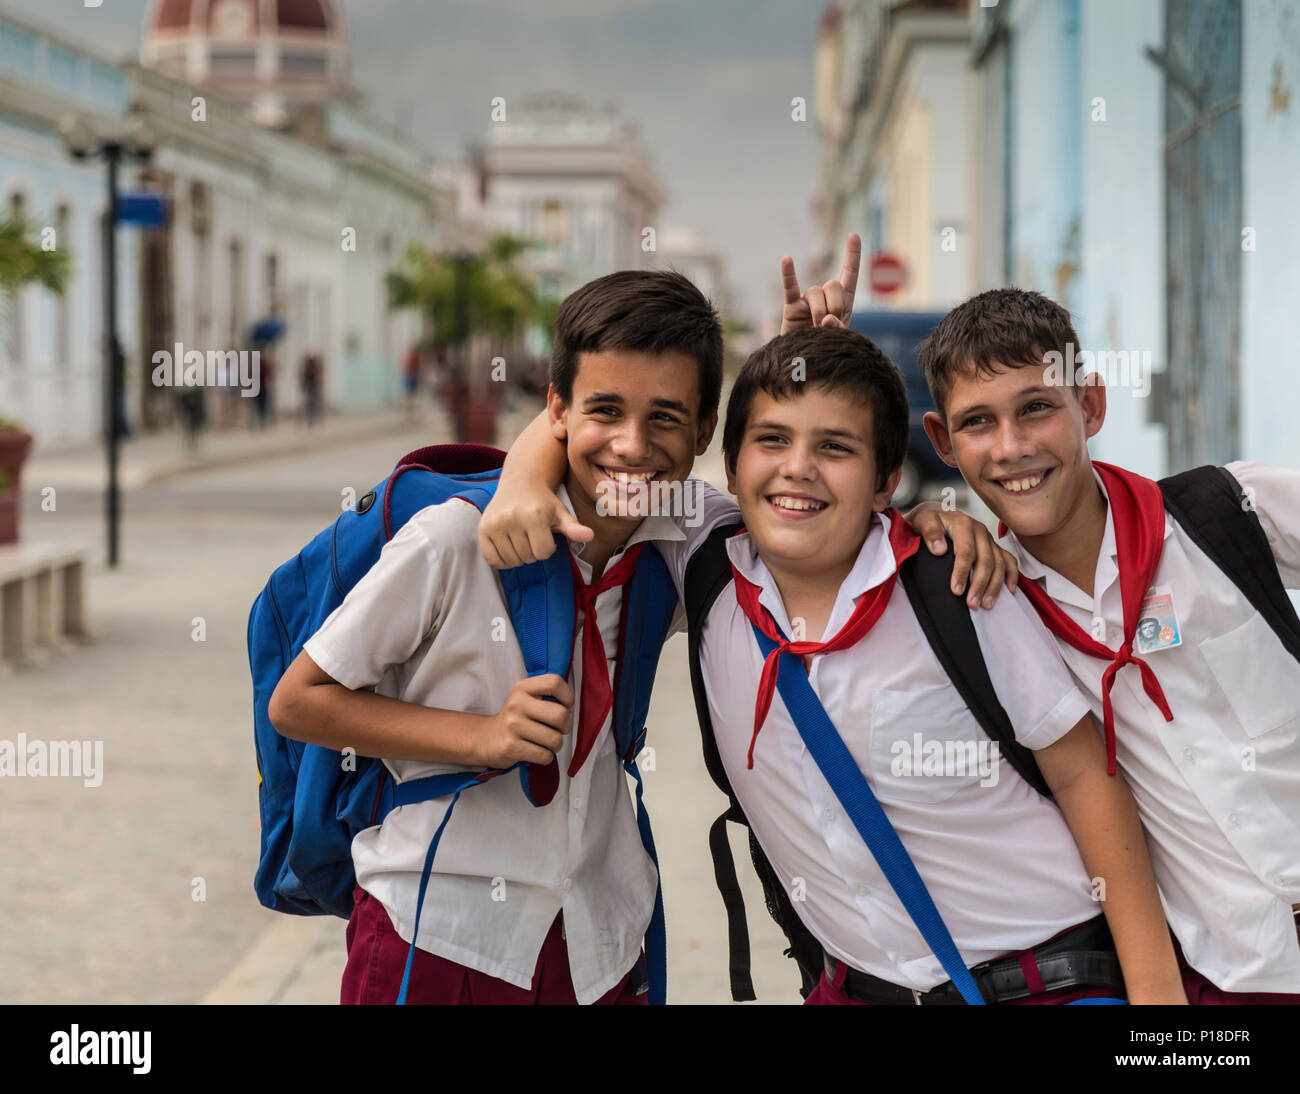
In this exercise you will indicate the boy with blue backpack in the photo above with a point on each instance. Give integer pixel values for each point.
(389, 637)
(887, 708)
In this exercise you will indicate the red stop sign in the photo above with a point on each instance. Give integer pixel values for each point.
(886, 273)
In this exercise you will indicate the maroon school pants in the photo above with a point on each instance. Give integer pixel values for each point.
(1201, 993)
(377, 958)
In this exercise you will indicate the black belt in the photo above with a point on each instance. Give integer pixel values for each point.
(1084, 956)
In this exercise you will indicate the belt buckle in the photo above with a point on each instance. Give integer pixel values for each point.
(916, 997)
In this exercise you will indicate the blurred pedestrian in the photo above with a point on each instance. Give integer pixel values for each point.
(312, 383)
(263, 403)
(411, 379)
(193, 414)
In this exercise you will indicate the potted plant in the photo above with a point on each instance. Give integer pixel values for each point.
(15, 443)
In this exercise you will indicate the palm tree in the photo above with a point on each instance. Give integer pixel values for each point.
(466, 297)
(23, 262)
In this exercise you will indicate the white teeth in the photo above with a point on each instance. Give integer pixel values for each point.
(1017, 485)
(797, 503)
(624, 477)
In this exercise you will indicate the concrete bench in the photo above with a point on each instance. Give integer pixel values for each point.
(42, 601)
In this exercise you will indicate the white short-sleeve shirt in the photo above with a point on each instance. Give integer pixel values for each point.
(428, 624)
(1218, 788)
(998, 859)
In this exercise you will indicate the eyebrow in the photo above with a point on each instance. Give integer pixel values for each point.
(816, 432)
(981, 408)
(614, 397)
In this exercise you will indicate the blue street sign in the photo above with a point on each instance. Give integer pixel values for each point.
(144, 210)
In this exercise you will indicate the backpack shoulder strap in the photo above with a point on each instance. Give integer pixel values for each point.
(707, 574)
(1210, 506)
(946, 621)
(649, 605)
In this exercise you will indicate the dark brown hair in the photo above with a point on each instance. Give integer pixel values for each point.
(647, 311)
(836, 360)
(991, 332)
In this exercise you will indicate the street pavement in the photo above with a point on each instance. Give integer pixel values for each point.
(140, 889)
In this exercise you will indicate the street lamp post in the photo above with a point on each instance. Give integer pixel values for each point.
(131, 142)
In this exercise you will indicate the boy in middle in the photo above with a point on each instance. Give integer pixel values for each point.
(813, 459)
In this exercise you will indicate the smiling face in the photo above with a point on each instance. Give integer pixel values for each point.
(633, 419)
(805, 479)
(1021, 443)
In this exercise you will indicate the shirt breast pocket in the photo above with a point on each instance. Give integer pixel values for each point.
(1260, 680)
(926, 746)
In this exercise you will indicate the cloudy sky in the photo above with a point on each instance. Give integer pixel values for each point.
(709, 81)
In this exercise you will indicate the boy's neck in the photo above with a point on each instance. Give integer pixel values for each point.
(611, 532)
(1073, 548)
(809, 595)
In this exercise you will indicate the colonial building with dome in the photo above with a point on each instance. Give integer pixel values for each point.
(274, 55)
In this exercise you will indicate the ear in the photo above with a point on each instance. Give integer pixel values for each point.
(705, 436)
(731, 475)
(557, 411)
(937, 430)
(881, 501)
(1092, 401)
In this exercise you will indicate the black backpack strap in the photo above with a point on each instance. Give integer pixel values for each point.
(946, 621)
(707, 574)
(1210, 506)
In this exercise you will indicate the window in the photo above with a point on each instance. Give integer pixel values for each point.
(13, 300)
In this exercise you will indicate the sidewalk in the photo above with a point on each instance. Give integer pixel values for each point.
(152, 457)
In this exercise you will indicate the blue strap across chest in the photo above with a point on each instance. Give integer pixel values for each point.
(839, 768)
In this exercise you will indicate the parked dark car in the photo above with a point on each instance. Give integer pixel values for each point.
(898, 334)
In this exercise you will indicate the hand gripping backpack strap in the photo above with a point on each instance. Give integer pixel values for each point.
(541, 604)
(947, 624)
(1210, 506)
(850, 786)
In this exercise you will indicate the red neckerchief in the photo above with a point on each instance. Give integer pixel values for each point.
(597, 696)
(871, 605)
(1138, 509)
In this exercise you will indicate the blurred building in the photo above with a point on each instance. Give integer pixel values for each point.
(893, 90)
(1138, 164)
(1133, 159)
(274, 55)
(690, 253)
(575, 180)
(51, 353)
(289, 205)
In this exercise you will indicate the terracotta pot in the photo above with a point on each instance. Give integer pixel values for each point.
(14, 446)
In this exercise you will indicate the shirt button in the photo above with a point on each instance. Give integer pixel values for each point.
(828, 814)
(1189, 754)
(577, 801)
(1234, 820)
(567, 883)
(863, 890)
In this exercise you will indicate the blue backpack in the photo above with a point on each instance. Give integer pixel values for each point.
(314, 800)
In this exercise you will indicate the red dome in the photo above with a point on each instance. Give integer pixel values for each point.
(180, 15)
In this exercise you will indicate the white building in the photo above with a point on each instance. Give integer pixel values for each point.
(577, 180)
(51, 347)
